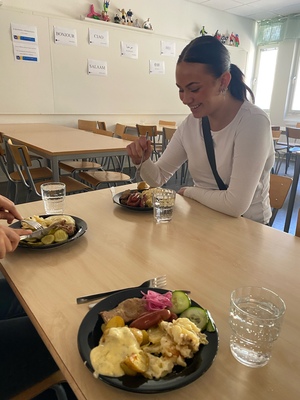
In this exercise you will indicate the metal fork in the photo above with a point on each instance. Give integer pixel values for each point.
(158, 282)
(34, 224)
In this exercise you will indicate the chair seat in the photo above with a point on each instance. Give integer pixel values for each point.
(73, 166)
(72, 185)
(294, 149)
(96, 178)
(36, 173)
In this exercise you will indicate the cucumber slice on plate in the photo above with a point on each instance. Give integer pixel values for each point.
(197, 315)
(180, 302)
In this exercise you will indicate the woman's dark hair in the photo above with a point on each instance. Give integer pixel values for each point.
(210, 51)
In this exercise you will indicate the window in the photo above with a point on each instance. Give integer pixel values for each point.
(263, 83)
(293, 103)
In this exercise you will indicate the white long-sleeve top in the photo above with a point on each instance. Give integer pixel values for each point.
(244, 153)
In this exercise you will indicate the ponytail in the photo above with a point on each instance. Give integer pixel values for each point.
(237, 86)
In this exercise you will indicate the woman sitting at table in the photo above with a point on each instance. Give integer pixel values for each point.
(24, 359)
(212, 87)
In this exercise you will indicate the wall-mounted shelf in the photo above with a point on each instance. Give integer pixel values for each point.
(114, 25)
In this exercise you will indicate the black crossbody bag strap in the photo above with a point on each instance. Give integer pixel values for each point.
(211, 153)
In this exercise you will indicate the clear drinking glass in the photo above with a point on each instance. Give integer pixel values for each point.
(53, 195)
(256, 315)
(163, 204)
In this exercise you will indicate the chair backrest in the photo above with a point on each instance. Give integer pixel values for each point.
(87, 125)
(146, 130)
(167, 136)
(101, 125)
(103, 132)
(120, 129)
(298, 125)
(166, 123)
(279, 189)
(292, 133)
(276, 134)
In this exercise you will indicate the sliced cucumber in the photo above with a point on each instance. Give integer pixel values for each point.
(211, 327)
(197, 315)
(180, 302)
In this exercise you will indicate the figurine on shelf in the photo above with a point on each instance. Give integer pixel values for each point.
(231, 39)
(224, 39)
(105, 6)
(147, 25)
(117, 19)
(93, 13)
(217, 35)
(123, 18)
(203, 31)
(129, 15)
(136, 23)
(237, 40)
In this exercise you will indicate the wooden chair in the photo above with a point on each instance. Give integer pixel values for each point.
(86, 125)
(33, 182)
(291, 133)
(101, 125)
(108, 178)
(150, 131)
(51, 382)
(168, 133)
(279, 189)
(167, 123)
(74, 166)
(278, 147)
(106, 161)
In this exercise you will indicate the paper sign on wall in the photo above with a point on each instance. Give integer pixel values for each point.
(167, 48)
(26, 52)
(65, 36)
(98, 38)
(24, 33)
(97, 67)
(156, 67)
(129, 50)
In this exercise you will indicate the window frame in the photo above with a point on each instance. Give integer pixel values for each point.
(295, 69)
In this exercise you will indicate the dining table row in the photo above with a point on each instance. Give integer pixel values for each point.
(199, 250)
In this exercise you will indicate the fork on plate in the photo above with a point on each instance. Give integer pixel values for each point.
(158, 282)
(34, 224)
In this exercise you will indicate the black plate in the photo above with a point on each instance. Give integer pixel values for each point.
(116, 200)
(81, 228)
(90, 332)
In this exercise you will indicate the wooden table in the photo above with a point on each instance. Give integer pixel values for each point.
(201, 250)
(57, 143)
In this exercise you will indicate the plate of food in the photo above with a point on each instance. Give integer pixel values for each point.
(156, 371)
(66, 229)
(139, 199)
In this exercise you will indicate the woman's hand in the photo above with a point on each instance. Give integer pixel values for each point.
(8, 210)
(181, 191)
(9, 239)
(139, 150)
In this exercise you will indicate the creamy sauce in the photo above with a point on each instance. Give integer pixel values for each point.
(114, 347)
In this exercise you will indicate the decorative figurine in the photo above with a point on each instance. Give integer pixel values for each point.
(117, 19)
(123, 18)
(231, 39)
(105, 6)
(147, 25)
(129, 15)
(224, 39)
(237, 40)
(136, 23)
(217, 35)
(203, 31)
(93, 13)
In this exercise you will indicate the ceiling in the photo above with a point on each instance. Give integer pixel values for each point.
(254, 9)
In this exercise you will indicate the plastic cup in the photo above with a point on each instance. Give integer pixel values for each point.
(256, 315)
(53, 195)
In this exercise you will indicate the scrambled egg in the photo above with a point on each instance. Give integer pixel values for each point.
(170, 343)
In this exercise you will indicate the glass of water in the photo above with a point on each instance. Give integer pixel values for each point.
(53, 195)
(163, 204)
(256, 315)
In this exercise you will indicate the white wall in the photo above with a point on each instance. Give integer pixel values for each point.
(176, 18)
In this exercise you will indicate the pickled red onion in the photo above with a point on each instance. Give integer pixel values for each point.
(157, 301)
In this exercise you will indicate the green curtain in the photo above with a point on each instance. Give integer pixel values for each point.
(278, 29)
